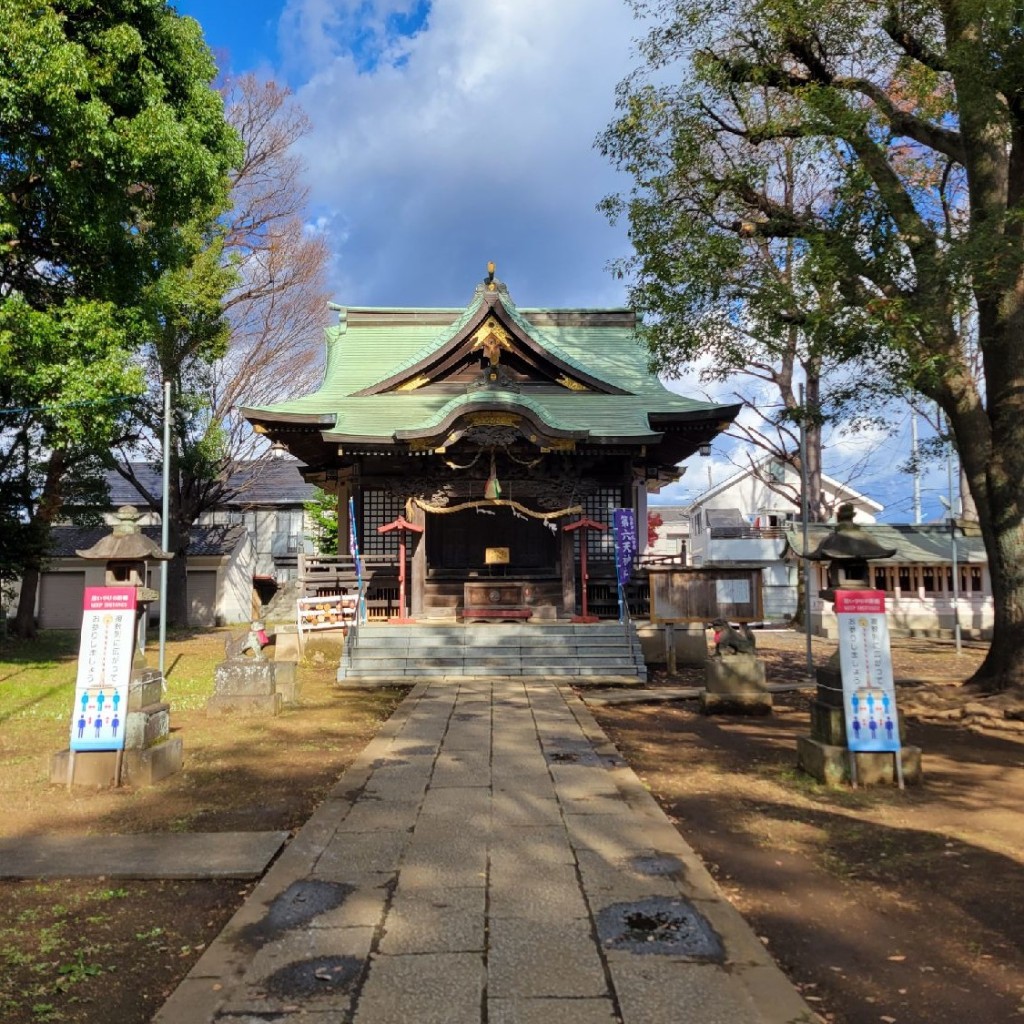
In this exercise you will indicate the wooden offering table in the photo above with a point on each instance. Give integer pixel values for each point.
(496, 601)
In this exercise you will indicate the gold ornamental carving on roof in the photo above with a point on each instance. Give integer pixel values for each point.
(572, 385)
(494, 419)
(491, 337)
(412, 385)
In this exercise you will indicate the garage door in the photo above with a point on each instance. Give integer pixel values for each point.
(202, 598)
(60, 600)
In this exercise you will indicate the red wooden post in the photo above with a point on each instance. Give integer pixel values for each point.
(583, 525)
(402, 525)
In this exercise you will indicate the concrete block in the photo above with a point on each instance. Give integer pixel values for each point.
(94, 768)
(734, 674)
(97, 768)
(150, 766)
(286, 681)
(690, 643)
(239, 676)
(285, 646)
(831, 764)
(147, 726)
(747, 703)
(244, 704)
(146, 687)
(828, 723)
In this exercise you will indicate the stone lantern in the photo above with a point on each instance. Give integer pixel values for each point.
(824, 754)
(127, 552)
(847, 549)
(150, 752)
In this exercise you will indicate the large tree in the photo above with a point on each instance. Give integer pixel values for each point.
(242, 324)
(111, 138)
(907, 122)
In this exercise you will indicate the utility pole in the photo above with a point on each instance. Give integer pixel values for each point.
(805, 516)
(165, 526)
(917, 468)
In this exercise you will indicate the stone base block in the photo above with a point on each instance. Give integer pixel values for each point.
(736, 675)
(148, 767)
(285, 646)
(241, 676)
(147, 726)
(286, 681)
(691, 644)
(830, 686)
(97, 768)
(750, 703)
(828, 723)
(146, 687)
(830, 764)
(244, 704)
(93, 768)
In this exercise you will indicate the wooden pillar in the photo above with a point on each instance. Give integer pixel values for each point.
(568, 565)
(418, 583)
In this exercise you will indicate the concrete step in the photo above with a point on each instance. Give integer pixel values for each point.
(560, 649)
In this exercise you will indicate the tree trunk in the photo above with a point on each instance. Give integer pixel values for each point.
(39, 525)
(25, 619)
(1003, 666)
(177, 574)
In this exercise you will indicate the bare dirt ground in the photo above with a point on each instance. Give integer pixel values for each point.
(101, 951)
(883, 906)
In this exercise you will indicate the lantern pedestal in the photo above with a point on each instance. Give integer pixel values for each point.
(150, 753)
(824, 754)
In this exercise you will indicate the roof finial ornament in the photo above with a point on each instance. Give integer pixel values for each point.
(489, 279)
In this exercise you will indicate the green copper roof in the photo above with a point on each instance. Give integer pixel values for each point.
(372, 346)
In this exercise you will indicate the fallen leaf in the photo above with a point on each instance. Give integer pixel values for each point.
(897, 958)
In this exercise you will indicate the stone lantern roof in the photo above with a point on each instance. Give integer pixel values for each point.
(848, 542)
(126, 542)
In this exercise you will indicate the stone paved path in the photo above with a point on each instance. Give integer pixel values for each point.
(489, 859)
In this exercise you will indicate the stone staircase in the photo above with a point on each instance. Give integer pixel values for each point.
(597, 652)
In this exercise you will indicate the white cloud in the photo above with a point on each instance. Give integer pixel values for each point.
(468, 141)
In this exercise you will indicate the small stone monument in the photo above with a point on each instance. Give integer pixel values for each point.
(734, 675)
(825, 754)
(150, 753)
(245, 683)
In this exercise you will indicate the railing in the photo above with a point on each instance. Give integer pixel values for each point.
(745, 532)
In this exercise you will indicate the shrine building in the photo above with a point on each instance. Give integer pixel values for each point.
(488, 429)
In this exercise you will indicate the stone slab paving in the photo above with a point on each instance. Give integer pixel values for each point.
(160, 855)
(488, 859)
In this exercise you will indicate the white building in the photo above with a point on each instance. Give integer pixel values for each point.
(743, 522)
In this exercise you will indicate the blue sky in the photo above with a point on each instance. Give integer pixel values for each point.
(447, 133)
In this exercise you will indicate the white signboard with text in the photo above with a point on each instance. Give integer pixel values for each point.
(869, 694)
(104, 668)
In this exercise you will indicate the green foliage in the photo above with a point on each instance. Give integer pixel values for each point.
(322, 509)
(854, 174)
(115, 167)
(111, 137)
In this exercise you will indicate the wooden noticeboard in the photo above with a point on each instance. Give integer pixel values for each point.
(705, 594)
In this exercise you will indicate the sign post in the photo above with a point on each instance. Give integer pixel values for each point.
(869, 693)
(104, 672)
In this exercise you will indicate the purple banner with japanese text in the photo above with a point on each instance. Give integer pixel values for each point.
(624, 521)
